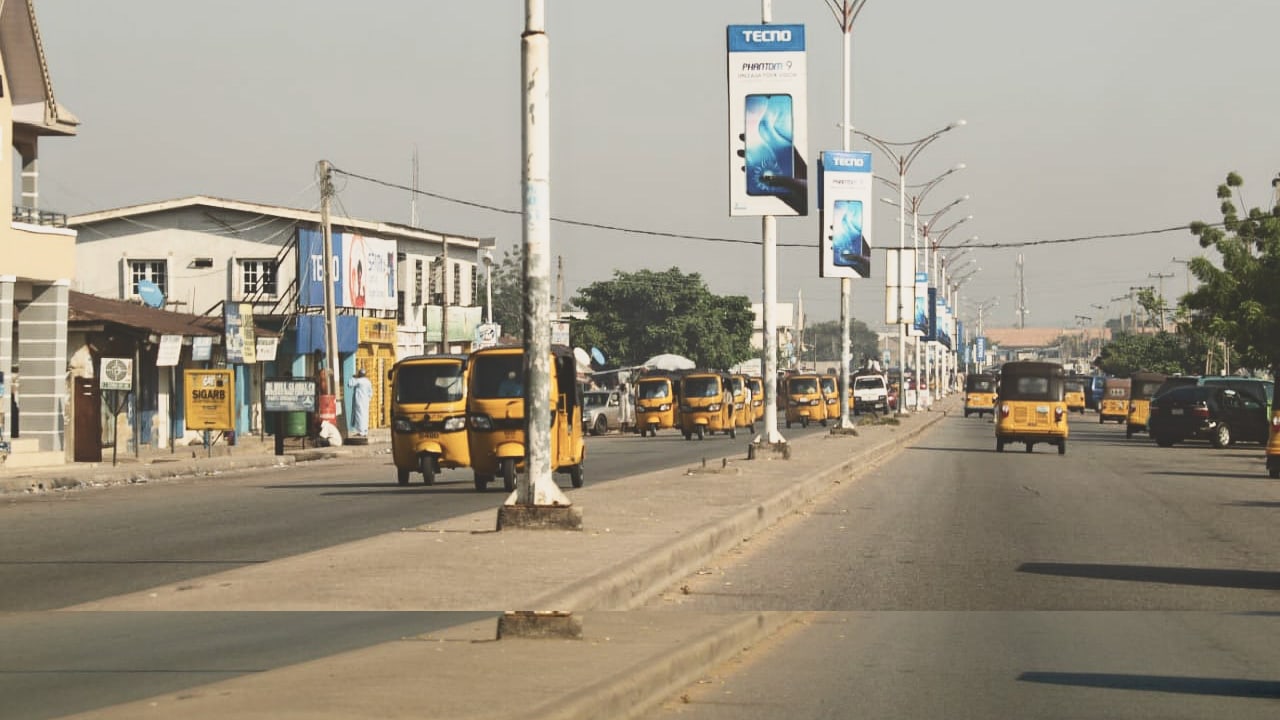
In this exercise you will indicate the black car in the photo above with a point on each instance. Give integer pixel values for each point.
(1202, 412)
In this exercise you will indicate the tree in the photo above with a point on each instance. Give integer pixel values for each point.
(1160, 352)
(508, 294)
(638, 315)
(864, 343)
(1239, 302)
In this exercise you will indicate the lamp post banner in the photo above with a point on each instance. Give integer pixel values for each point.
(920, 327)
(768, 120)
(844, 214)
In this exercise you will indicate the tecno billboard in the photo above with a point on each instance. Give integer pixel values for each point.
(364, 271)
(844, 207)
(768, 117)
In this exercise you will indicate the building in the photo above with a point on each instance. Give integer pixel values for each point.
(397, 289)
(37, 252)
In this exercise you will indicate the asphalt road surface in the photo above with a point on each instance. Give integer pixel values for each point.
(65, 548)
(1119, 580)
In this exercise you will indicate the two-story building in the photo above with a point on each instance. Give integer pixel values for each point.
(37, 252)
(216, 257)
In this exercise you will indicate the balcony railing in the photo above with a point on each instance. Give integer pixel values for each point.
(32, 216)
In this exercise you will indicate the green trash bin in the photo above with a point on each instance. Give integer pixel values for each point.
(295, 424)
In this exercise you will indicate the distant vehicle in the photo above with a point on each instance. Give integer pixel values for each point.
(1093, 391)
(1142, 387)
(1262, 390)
(1031, 405)
(980, 394)
(1115, 400)
(1075, 394)
(870, 393)
(1206, 412)
(1176, 381)
(602, 411)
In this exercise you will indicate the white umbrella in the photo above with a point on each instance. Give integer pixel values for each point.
(669, 361)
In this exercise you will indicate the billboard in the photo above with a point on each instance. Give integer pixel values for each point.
(768, 120)
(364, 271)
(844, 214)
(920, 324)
(240, 342)
(209, 399)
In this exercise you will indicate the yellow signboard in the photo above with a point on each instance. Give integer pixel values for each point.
(376, 331)
(210, 399)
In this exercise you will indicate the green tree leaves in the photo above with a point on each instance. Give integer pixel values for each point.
(1160, 352)
(638, 315)
(1238, 301)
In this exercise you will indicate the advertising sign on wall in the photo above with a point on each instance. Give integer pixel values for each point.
(202, 348)
(768, 120)
(289, 395)
(240, 342)
(209, 399)
(844, 214)
(115, 374)
(170, 350)
(364, 271)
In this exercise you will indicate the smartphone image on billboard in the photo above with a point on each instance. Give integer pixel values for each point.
(848, 245)
(769, 152)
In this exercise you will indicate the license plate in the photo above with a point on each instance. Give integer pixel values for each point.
(1044, 409)
(1175, 411)
(432, 434)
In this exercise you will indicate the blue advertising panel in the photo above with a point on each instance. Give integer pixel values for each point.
(924, 307)
(311, 272)
(844, 214)
(931, 323)
(980, 351)
(768, 120)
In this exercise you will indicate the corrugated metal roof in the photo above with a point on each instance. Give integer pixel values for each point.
(85, 308)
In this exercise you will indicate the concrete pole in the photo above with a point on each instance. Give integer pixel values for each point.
(846, 284)
(536, 486)
(902, 313)
(330, 273)
(769, 232)
(915, 244)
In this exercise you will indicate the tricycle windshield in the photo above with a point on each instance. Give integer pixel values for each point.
(804, 385)
(498, 375)
(702, 387)
(654, 390)
(429, 382)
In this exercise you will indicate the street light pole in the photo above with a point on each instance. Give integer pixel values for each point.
(488, 286)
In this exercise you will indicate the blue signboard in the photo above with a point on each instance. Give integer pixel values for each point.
(311, 268)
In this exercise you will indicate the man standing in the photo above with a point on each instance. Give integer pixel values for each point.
(361, 395)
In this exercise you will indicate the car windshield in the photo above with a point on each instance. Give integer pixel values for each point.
(983, 385)
(1028, 387)
(428, 382)
(828, 385)
(1074, 386)
(497, 375)
(653, 390)
(1146, 388)
(868, 383)
(595, 399)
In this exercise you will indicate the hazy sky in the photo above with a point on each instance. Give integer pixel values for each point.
(1083, 118)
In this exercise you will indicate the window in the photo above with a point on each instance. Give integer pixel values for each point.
(258, 277)
(400, 309)
(153, 270)
(419, 290)
(457, 283)
(475, 283)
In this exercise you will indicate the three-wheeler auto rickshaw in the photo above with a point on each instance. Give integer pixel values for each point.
(1114, 404)
(1075, 393)
(657, 406)
(756, 385)
(744, 416)
(804, 400)
(429, 415)
(1031, 405)
(980, 393)
(706, 404)
(496, 415)
(1142, 387)
(830, 386)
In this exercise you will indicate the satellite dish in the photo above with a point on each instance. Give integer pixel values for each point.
(597, 356)
(582, 357)
(150, 294)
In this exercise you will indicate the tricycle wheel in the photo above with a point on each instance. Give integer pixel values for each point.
(402, 476)
(508, 469)
(699, 431)
(733, 432)
(1274, 472)
(575, 475)
(999, 445)
(804, 422)
(1062, 447)
(482, 481)
(688, 435)
(1030, 447)
(427, 466)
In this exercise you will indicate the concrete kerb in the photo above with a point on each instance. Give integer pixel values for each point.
(631, 584)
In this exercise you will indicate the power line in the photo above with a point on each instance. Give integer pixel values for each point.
(738, 241)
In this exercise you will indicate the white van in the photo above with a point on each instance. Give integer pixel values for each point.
(870, 393)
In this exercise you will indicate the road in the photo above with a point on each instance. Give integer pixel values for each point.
(1119, 580)
(62, 549)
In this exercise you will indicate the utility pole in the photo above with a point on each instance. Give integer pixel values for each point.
(559, 286)
(1022, 295)
(444, 296)
(333, 374)
(1161, 277)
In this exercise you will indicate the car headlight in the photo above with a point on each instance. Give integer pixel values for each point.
(815, 402)
(713, 407)
(401, 425)
(481, 422)
(664, 407)
(456, 422)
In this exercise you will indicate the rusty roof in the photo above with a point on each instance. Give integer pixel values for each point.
(85, 308)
